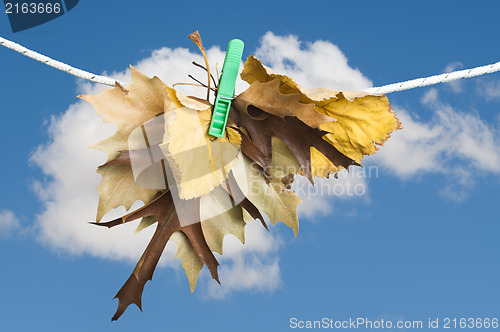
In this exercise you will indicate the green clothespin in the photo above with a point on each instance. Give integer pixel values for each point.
(225, 93)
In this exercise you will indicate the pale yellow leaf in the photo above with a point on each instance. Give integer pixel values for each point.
(145, 223)
(199, 162)
(272, 199)
(190, 261)
(284, 161)
(221, 216)
(128, 108)
(118, 188)
(190, 102)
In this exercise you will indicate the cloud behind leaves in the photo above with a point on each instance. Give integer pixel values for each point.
(318, 64)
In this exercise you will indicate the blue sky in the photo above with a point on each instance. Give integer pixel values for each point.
(422, 242)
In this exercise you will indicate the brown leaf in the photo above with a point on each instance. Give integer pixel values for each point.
(163, 209)
(297, 135)
(234, 190)
(122, 159)
(254, 153)
(267, 97)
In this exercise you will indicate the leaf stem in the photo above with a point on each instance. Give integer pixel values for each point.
(196, 38)
(194, 79)
(217, 71)
(192, 84)
(212, 76)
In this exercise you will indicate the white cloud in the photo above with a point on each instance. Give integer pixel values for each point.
(459, 185)
(9, 223)
(68, 189)
(456, 86)
(320, 64)
(317, 199)
(489, 89)
(459, 145)
(471, 138)
(250, 266)
(414, 149)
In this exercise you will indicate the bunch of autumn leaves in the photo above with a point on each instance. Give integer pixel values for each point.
(276, 129)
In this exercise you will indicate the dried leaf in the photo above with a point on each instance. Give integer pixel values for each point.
(255, 71)
(191, 262)
(128, 108)
(220, 214)
(163, 208)
(188, 101)
(297, 135)
(186, 140)
(142, 100)
(118, 187)
(272, 199)
(266, 96)
(254, 153)
(228, 219)
(363, 121)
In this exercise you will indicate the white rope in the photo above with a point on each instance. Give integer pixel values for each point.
(57, 64)
(416, 83)
(447, 77)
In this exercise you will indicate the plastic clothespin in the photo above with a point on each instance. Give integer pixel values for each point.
(225, 94)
